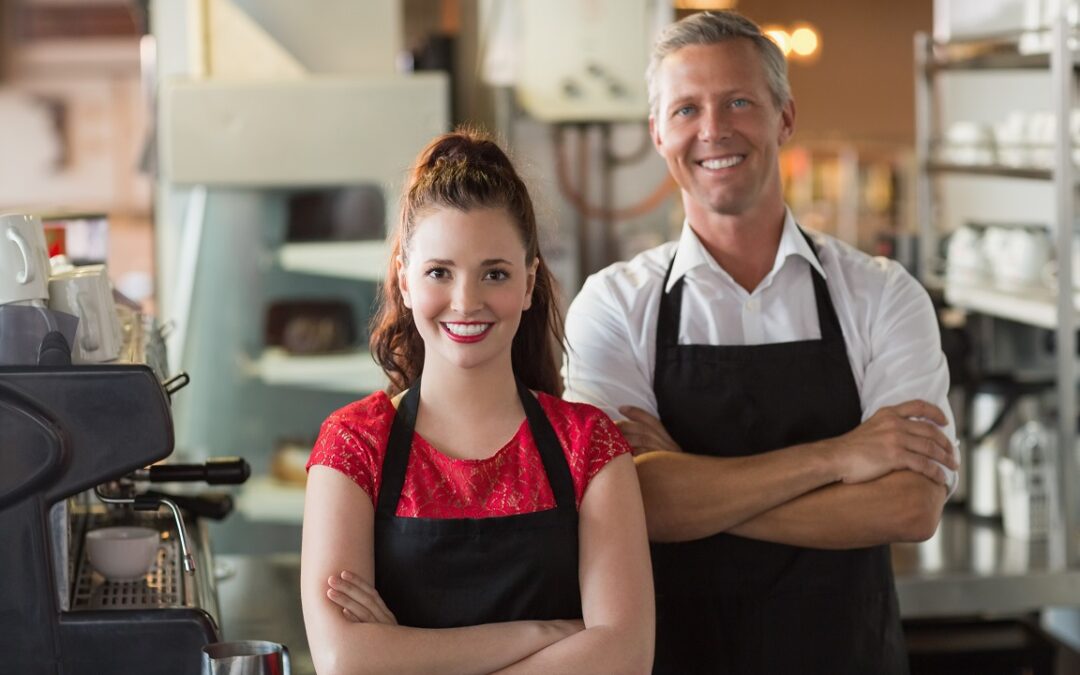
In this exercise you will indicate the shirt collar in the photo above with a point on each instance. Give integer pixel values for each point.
(691, 253)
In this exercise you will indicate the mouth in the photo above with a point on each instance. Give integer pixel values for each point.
(466, 331)
(719, 163)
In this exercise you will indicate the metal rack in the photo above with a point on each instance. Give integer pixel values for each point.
(1054, 311)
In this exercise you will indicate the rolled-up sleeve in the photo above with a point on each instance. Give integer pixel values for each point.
(604, 363)
(905, 357)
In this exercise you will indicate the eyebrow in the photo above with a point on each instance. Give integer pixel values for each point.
(483, 263)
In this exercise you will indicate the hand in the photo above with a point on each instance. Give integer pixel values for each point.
(644, 432)
(359, 601)
(905, 436)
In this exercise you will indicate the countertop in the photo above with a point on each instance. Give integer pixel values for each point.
(969, 567)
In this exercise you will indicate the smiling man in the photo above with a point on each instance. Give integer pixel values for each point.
(785, 394)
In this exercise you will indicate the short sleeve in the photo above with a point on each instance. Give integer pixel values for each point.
(352, 441)
(605, 443)
(589, 438)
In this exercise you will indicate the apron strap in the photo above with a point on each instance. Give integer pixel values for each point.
(399, 447)
(669, 317)
(551, 451)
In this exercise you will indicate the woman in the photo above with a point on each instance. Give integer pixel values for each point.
(431, 542)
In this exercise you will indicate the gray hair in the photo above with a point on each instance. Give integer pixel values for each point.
(709, 28)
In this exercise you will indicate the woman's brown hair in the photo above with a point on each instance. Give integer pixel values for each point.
(466, 170)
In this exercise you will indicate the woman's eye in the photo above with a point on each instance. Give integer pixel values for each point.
(496, 275)
(438, 273)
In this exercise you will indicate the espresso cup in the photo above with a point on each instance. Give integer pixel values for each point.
(122, 553)
(24, 260)
(86, 293)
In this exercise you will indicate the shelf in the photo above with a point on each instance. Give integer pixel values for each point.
(998, 170)
(316, 130)
(267, 499)
(362, 260)
(350, 372)
(1033, 306)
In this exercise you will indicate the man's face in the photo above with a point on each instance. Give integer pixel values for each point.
(718, 129)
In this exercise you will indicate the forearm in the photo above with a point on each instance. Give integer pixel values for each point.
(901, 506)
(361, 648)
(601, 649)
(691, 496)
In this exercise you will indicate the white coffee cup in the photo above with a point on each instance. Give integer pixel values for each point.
(965, 259)
(1020, 259)
(85, 291)
(122, 553)
(24, 259)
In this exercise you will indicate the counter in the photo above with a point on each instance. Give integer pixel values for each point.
(969, 567)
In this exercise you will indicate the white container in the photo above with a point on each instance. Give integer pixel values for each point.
(122, 553)
(1026, 482)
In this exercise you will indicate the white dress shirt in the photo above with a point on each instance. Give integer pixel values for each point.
(890, 329)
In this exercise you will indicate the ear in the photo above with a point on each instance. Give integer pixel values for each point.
(402, 281)
(531, 284)
(654, 132)
(787, 121)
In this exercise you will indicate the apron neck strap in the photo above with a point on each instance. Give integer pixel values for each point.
(399, 447)
(670, 316)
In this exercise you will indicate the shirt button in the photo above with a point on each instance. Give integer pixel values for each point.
(751, 305)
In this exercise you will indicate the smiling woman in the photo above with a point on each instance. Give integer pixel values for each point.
(554, 569)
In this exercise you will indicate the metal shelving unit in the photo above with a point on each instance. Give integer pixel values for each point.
(1051, 310)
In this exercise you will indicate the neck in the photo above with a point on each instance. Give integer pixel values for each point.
(468, 395)
(744, 244)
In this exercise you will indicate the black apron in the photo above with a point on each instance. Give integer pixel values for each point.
(443, 573)
(729, 604)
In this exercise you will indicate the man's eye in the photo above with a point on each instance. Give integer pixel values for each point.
(684, 110)
(740, 103)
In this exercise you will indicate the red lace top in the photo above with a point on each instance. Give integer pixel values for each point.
(512, 481)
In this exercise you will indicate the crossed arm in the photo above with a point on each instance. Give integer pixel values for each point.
(351, 631)
(879, 483)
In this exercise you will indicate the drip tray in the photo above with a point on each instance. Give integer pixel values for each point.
(161, 587)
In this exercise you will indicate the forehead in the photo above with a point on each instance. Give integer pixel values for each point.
(734, 64)
(474, 234)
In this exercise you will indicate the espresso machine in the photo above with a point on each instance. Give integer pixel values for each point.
(78, 446)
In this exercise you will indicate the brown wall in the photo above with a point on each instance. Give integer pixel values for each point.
(862, 86)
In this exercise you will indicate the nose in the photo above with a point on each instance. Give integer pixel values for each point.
(714, 125)
(467, 297)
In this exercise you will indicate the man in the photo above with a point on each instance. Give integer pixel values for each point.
(785, 394)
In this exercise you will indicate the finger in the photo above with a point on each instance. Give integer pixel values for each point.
(350, 616)
(358, 595)
(923, 409)
(372, 598)
(362, 613)
(922, 465)
(927, 440)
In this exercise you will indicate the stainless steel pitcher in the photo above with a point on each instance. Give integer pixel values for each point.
(246, 657)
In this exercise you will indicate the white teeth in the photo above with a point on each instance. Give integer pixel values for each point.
(467, 329)
(722, 163)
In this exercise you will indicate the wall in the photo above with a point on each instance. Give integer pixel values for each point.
(862, 87)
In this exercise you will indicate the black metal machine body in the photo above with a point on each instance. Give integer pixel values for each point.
(63, 431)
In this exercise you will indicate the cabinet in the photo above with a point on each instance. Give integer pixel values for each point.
(1053, 308)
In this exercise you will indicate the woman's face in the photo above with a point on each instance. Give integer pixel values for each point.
(466, 280)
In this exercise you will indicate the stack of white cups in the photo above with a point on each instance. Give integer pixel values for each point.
(84, 292)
